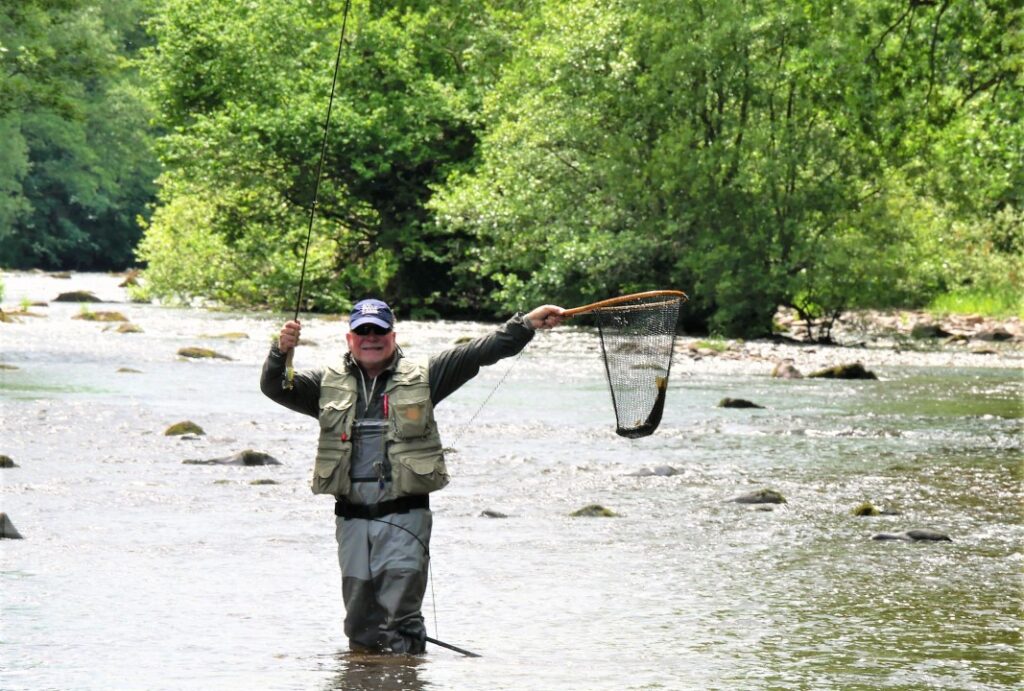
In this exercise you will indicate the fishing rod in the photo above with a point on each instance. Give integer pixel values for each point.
(289, 379)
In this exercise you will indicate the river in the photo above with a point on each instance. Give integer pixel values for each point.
(139, 571)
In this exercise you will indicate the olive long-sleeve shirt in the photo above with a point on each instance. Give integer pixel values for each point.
(447, 371)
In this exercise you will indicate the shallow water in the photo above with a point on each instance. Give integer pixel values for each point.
(138, 571)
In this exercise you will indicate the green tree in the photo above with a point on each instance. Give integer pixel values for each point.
(764, 158)
(75, 163)
(243, 91)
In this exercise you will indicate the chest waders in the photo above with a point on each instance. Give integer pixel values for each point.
(380, 455)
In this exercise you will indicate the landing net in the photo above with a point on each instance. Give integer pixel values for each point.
(637, 338)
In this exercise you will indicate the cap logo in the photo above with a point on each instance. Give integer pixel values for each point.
(368, 309)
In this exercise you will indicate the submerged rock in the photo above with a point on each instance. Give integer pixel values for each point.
(488, 513)
(737, 403)
(184, 427)
(265, 481)
(7, 529)
(869, 509)
(594, 510)
(658, 471)
(231, 336)
(247, 458)
(761, 496)
(5, 366)
(786, 370)
(126, 328)
(101, 316)
(77, 296)
(128, 370)
(850, 371)
(915, 535)
(866, 509)
(201, 353)
(7, 462)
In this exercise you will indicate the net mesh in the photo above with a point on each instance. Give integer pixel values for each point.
(637, 339)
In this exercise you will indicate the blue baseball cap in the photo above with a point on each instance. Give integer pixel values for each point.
(371, 312)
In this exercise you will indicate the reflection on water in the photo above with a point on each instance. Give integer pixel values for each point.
(136, 566)
(361, 672)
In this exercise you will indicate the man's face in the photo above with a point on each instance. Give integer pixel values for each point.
(371, 346)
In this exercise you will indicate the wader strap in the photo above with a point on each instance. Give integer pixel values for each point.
(347, 509)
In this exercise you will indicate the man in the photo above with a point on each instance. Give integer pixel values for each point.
(380, 456)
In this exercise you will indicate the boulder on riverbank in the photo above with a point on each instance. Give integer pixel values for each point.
(923, 330)
(202, 353)
(915, 535)
(7, 529)
(853, 370)
(77, 296)
(761, 496)
(246, 458)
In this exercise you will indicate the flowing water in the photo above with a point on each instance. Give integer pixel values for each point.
(139, 571)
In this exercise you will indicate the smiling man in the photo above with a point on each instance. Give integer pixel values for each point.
(380, 456)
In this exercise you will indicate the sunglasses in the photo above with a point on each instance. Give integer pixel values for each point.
(368, 329)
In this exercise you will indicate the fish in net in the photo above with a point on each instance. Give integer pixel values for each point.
(637, 339)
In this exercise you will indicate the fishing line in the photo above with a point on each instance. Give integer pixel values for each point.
(289, 371)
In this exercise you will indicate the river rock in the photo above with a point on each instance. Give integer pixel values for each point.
(915, 535)
(77, 296)
(184, 427)
(7, 462)
(101, 316)
(924, 330)
(594, 511)
(866, 509)
(850, 371)
(658, 471)
(489, 513)
(201, 353)
(761, 496)
(7, 529)
(232, 336)
(265, 481)
(737, 403)
(126, 328)
(5, 366)
(997, 334)
(247, 458)
(786, 370)
(128, 370)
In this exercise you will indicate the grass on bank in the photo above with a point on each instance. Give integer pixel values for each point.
(1001, 304)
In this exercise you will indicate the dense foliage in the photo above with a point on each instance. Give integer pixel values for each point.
(488, 156)
(76, 165)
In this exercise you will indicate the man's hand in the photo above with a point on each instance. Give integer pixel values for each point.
(545, 317)
(289, 337)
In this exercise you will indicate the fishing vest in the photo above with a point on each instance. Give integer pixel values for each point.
(413, 445)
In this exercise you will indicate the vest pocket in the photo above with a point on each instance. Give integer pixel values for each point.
(409, 418)
(330, 471)
(416, 468)
(334, 453)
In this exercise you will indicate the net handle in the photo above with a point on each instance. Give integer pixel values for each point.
(612, 302)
